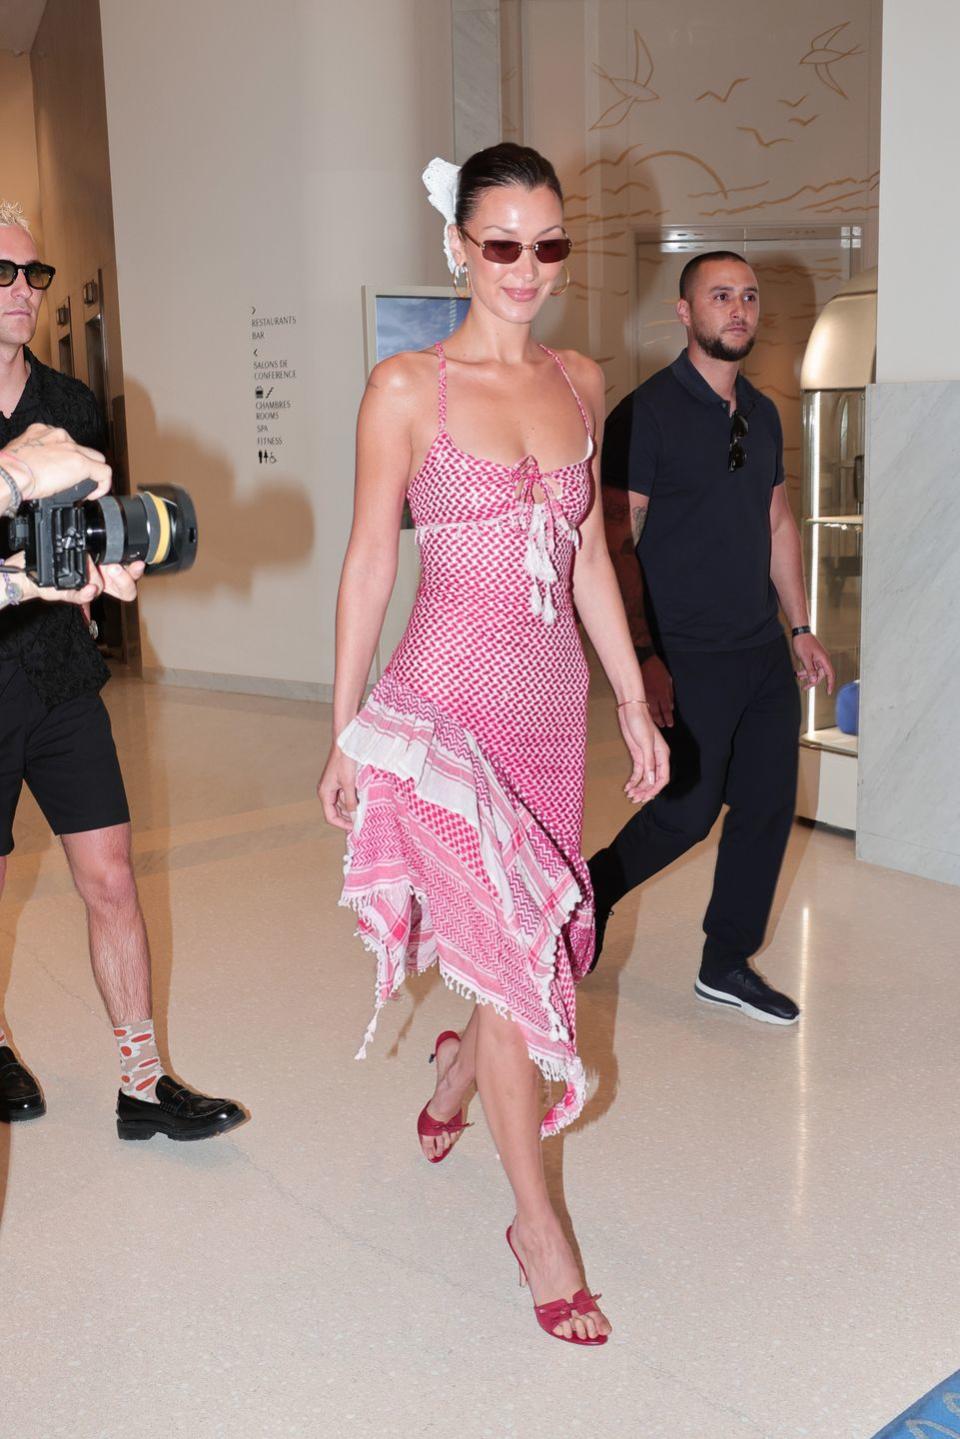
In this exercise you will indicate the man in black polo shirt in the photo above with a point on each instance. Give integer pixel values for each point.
(706, 548)
(55, 735)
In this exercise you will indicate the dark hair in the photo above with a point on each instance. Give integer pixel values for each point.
(689, 271)
(503, 164)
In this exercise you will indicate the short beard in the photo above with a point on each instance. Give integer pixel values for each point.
(718, 349)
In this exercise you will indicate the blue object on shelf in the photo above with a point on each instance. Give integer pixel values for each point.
(848, 708)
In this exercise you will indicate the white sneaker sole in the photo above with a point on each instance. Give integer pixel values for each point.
(730, 1001)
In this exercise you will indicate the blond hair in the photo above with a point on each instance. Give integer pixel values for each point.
(12, 214)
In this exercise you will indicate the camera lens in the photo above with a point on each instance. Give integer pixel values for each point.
(158, 526)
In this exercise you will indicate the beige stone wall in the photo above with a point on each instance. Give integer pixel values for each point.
(265, 162)
(762, 113)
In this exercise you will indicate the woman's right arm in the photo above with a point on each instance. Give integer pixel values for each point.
(384, 456)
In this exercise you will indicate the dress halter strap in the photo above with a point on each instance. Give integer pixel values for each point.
(441, 388)
(573, 389)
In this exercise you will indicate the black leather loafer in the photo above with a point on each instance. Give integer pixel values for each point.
(20, 1096)
(180, 1114)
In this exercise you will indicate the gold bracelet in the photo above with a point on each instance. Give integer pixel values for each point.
(623, 703)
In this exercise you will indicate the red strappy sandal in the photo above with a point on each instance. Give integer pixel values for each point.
(427, 1126)
(562, 1311)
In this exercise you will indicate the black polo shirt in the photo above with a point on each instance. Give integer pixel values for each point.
(705, 547)
(49, 638)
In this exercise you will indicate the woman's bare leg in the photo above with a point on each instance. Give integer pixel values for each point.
(510, 1090)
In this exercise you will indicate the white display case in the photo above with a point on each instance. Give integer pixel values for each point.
(837, 367)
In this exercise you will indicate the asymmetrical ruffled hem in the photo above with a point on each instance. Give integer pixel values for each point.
(444, 864)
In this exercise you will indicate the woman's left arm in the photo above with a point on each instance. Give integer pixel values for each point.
(596, 595)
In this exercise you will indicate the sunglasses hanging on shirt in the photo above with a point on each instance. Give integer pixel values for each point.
(37, 276)
(738, 431)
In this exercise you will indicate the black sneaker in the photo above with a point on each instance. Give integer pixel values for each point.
(748, 991)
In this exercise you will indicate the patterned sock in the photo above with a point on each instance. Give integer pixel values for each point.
(140, 1066)
(3, 1038)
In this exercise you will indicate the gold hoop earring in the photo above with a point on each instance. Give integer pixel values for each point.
(565, 285)
(461, 282)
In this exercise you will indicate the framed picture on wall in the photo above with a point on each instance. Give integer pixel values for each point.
(408, 317)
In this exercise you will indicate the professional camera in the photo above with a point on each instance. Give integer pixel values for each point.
(57, 534)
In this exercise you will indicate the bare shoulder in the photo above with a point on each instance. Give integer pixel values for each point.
(588, 378)
(404, 377)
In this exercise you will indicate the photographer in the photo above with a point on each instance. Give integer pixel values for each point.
(54, 728)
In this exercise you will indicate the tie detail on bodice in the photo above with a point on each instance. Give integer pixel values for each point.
(544, 519)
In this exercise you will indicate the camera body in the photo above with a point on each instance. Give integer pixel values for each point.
(56, 534)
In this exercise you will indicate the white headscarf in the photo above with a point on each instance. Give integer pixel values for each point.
(442, 180)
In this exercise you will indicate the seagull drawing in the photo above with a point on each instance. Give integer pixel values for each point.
(632, 90)
(822, 55)
(779, 140)
(712, 94)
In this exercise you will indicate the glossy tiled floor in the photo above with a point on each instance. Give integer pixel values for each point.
(770, 1214)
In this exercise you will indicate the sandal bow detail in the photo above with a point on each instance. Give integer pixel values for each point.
(562, 1311)
(430, 1128)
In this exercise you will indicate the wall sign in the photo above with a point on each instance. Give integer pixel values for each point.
(274, 374)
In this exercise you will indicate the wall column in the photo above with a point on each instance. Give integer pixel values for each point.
(909, 801)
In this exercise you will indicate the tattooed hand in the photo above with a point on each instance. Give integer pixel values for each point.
(44, 460)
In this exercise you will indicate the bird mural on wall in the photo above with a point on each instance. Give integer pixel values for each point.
(777, 140)
(631, 90)
(823, 55)
(715, 95)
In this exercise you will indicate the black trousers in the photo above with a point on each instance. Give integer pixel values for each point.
(734, 741)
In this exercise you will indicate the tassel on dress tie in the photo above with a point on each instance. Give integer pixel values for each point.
(546, 517)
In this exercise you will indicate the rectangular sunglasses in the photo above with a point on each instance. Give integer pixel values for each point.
(508, 252)
(739, 429)
(37, 276)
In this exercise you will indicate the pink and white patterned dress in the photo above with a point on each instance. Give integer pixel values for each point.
(470, 753)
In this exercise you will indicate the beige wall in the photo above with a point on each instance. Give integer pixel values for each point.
(20, 180)
(761, 114)
(917, 311)
(263, 158)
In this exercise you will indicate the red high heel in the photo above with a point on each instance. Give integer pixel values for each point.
(430, 1128)
(561, 1311)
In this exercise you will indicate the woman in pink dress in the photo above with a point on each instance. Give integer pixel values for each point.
(460, 780)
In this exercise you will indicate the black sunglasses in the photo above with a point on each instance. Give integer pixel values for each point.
(507, 252)
(738, 430)
(37, 276)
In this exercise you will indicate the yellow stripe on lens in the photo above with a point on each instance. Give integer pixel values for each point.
(161, 546)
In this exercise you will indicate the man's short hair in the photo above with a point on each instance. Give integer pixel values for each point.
(12, 214)
(689, 271)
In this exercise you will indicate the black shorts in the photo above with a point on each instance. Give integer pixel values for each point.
(66, 755)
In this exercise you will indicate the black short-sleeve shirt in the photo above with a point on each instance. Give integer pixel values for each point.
(705, 547)
(50, 640)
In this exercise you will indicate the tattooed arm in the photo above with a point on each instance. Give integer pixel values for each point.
(624, 516)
